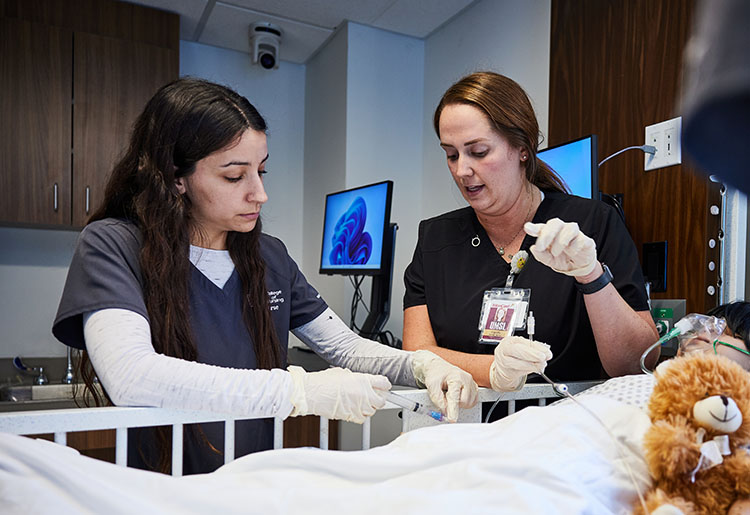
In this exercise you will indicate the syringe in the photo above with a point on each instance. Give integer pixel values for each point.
(405, 403)
(560, 388)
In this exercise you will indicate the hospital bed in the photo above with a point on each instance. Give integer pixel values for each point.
(63, 421)
(487, 463)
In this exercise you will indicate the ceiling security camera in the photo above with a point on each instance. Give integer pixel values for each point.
(265, 39)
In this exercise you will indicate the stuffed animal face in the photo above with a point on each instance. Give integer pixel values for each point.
(711, 391)
(719, 413)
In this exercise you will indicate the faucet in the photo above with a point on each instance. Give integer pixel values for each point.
(68, 379)
(40, 378)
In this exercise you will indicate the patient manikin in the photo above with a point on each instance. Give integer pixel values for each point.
(695, 333)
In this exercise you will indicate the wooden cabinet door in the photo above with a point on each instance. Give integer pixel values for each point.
(112, 81)
(35, 123)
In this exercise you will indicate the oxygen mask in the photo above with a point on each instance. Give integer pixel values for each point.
(699, 332)
(694, 333)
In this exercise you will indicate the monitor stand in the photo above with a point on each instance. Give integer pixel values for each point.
(380, 292)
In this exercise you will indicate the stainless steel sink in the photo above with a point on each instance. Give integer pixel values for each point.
(33, 397)
(45, 392)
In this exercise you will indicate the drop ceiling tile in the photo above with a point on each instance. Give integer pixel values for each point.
(228, 27)
(323, 13)
(418, 18)
(306, 23)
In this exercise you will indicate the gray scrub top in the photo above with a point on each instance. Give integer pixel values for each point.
(105, 273)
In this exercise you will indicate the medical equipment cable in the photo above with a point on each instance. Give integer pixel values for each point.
(530, 329)
(562, 389)
(414, 406)
(648, 149)
(385, 337)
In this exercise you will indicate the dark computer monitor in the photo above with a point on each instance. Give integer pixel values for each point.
(356, 230)
(576, 162)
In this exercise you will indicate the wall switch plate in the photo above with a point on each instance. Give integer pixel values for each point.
(667, 138)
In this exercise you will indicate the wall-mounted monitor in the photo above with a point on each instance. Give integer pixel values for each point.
(356, 230)
(576, 162)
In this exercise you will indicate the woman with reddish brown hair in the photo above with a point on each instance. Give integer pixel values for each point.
(587, 289)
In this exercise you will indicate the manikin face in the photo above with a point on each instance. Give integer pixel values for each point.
(724, 347)
(226, 190)
(485, 167)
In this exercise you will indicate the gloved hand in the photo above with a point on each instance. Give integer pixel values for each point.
(515, 357)
(337, 393)
(562, 247)
(449, 386)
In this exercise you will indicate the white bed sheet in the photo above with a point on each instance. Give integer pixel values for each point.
(555, 459)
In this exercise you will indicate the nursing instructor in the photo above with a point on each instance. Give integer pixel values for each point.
(575, 255)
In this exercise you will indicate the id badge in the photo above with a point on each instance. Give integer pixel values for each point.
(503, 311)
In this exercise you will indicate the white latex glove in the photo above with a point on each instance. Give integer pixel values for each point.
(337, 393)
(515, 357)
(562, 247)
(449, 386)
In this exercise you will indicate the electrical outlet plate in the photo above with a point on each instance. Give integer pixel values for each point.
(667, 138)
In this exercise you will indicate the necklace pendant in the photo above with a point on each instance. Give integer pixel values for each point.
(501, 251)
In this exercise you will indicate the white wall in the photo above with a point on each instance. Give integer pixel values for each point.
(363, 125)
(505, 36)
(325, 156)
(279, 95)
(384, 135)
(33, 267)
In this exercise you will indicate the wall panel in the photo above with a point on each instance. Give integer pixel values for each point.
(616, 67)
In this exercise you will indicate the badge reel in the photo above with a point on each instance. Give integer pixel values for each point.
(503, 311)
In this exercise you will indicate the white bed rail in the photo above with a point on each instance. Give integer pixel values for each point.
(63, 421)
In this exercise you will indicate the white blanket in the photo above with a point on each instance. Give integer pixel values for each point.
(555, 459)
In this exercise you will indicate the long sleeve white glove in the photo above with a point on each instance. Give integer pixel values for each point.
(515, 357)
(337, 393)
(449, 386)
(562, 247)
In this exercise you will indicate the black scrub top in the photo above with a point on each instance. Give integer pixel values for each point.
(105, 273)
(449, 275)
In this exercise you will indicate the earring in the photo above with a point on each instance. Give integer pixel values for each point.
(523, 157)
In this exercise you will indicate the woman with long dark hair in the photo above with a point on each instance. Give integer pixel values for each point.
(587, 290)
(180, 300)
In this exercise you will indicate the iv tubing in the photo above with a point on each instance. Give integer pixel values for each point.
(618, 445)
(562, 389)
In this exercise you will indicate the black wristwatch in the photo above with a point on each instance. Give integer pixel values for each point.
(597, 284)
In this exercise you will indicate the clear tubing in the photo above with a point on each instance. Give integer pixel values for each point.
(686, 328)
(671, 334)
(414, 406)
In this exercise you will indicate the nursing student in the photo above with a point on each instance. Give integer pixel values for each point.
(574, 254)
(181, 301)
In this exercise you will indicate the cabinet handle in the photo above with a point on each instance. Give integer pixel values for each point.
(54, 198)
(88, 197)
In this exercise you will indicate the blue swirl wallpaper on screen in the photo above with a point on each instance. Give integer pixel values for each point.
(352, 245)
(573, 163)
(353, 230)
